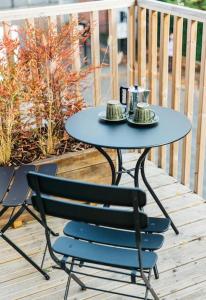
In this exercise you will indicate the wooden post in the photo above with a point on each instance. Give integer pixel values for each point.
(163, 78)
(152, 53)
(189, 94)
(141, 46)
(176, 87)
(76, 60)
(201, 128)
(35, 71)
(6, 33)
(95, 52)
(131, 46)
(113, 53)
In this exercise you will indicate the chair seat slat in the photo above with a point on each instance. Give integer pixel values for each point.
(6, 175)
(110, 256)
(110, 236)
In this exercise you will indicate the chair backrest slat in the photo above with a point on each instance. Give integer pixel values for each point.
(100, 194)
(49, 169)
(46, 189)
(110, 217)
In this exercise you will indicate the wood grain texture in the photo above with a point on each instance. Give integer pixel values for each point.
(95, 52)
(201, 127)
(131, 46)
(141, 49)
(163, 76)
(181, 262)
(88, 165)
(176, 86)
(189, 97)
(152, 69)
(113, 51)
(76, 55)
(54, 10)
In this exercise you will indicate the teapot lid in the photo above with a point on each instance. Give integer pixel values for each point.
(136, 89)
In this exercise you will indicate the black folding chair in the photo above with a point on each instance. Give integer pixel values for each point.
(15, 194)
(58, 197)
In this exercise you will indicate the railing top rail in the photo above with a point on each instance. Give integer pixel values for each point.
(55, 10)
(175, 10)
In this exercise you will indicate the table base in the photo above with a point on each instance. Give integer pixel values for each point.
(139, 169)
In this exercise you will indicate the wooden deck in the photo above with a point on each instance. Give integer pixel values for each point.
(182, 260)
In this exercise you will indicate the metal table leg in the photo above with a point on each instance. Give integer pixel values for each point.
(155, 196)
(112, 166)
(119, 174)
(140, 167)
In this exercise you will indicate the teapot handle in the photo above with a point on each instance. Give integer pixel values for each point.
(122, 88)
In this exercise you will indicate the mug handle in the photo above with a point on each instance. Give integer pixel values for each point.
(122, 88)
(154, 114)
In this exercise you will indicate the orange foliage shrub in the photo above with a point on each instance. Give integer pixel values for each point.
(39, 89)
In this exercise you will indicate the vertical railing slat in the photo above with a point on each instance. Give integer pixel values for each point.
(131, 46)
(201, 128)
(95, 52)
(152, 53)
(30, 23)
(6, 28)
(176, 87)
(52, 20)
(113, 52)
(189, 97)
(6, 34)
(76, 55)
(163, 77)
(141, 46)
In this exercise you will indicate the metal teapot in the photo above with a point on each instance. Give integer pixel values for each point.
(132, 96)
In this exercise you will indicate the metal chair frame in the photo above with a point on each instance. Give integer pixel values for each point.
(47, 200)
(23, 205)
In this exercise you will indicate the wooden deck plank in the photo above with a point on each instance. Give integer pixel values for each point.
(181, 260)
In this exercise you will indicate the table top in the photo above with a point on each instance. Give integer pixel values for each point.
(86, 126)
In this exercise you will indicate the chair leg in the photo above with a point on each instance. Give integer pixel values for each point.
(148, 285)
(147, 289)
(39, 220)
(13, 219)
(79, 282)
(44, 255)
(14, 246)
(156, 273)
(12, 213)
(4, 209)
(68, 281)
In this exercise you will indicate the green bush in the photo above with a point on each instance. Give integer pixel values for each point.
(196, 4)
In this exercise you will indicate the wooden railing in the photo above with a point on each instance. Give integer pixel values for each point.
(150, 23)
(182, 85)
